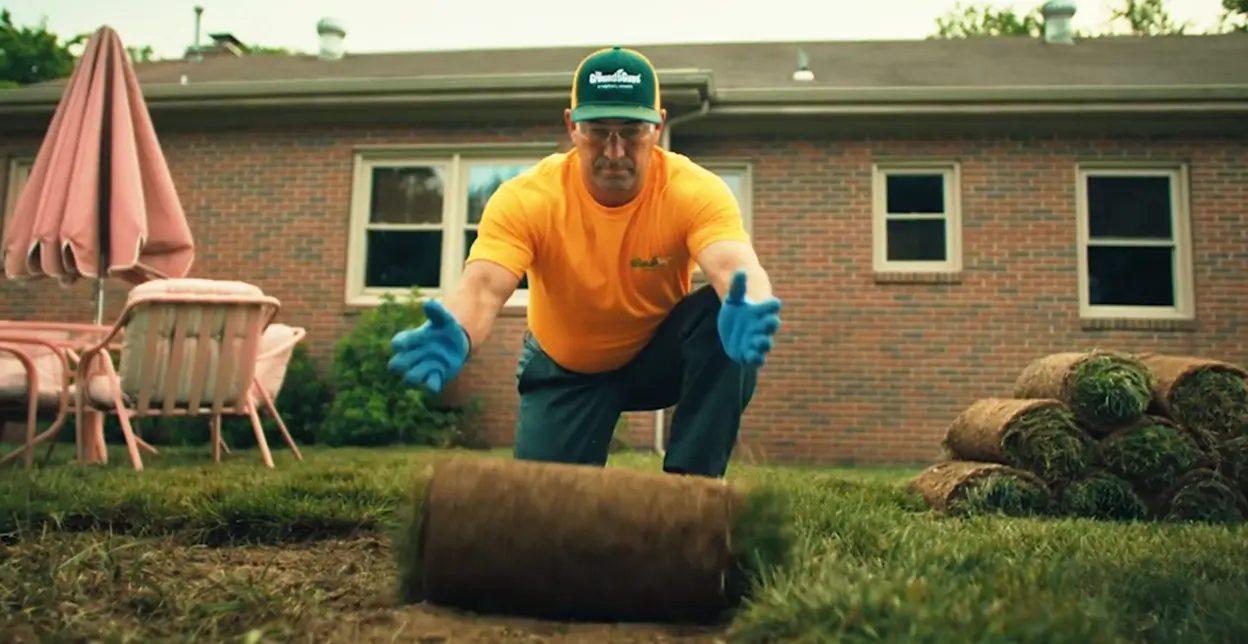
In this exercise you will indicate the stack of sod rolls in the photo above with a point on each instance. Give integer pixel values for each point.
(1102, 435)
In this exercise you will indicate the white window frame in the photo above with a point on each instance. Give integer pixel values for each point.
(1180, 226)
(951, 172)
(456, 161)
(728, 165)
(13, 188)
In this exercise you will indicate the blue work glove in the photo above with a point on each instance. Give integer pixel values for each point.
(745, 327)
(433, 353)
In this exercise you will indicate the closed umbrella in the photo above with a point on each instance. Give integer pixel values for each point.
(100, 201)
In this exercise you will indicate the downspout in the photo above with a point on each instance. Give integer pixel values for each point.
(665, 141)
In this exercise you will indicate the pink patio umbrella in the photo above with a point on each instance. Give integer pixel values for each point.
(100, 201)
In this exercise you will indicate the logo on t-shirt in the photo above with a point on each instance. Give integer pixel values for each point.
(652, 263)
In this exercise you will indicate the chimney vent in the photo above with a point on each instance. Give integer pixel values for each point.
(1057, 21)
(803, 73)
(332, 34)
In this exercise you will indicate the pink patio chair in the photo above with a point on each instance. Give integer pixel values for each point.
(277, 346)
(190, 347)
(37, 360)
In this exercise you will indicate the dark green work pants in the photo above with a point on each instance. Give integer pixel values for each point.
(570, 417)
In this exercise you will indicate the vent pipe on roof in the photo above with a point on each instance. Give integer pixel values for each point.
(332, 34)
(197, 54)
(1057, 21)
(803, 73)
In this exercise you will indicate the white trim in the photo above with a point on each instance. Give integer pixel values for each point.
(456, 165)
(721, 166)
(1180, 225)
(12, 187)
(951, 173)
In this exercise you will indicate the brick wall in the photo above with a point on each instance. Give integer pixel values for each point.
(862, 372)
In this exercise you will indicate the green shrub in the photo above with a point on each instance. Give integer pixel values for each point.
(372, 406)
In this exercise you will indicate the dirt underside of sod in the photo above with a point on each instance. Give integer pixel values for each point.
(872, 564)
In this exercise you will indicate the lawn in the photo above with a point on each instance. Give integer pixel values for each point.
(185, 551)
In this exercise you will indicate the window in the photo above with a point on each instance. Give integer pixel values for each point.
(19, 172)
(414, 218)
(917, 224)
(737, 176)
(1134, 248)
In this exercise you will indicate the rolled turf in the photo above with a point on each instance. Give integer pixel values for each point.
(1040, 436)
(969, 488)
(1202, 496)
(1103, 389)
(1101, 495)
(1151, 454)
(1233, 454)
(1200, 393)
(583, 543)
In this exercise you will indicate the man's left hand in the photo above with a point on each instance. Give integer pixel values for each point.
(746, 328)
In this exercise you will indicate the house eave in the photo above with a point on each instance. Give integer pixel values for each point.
(356, 92)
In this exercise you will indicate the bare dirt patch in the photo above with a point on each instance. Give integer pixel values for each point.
(93, 587)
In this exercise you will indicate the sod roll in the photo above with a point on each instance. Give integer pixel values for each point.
(1101, 495)
(1103, 389)
(975, 488)
(1233, 454)
(1040, 436)
(1202, 496)
(1152, 453)
(571, 542)
(1200, 393)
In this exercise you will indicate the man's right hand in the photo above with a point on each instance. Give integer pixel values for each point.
(433, 353)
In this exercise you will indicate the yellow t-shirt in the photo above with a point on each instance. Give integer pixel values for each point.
(601, 280)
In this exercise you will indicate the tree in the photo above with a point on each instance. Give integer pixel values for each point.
(33, 55)
(1139, 17)
(1235, 16)
(1148, 18)
(965, 21)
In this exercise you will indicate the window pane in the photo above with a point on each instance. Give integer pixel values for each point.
(915, 193)
(1131, 275)
(470, 236)
(483, 180)
(407, 195)
(1131, 207)
(916, 240)
(403, 258)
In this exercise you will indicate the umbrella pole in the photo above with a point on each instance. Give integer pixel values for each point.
(99, 299)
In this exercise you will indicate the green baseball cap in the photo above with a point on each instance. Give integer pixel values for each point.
(615, 83)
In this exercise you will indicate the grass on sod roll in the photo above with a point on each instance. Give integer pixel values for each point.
(1204, 496)
(1200, 393)
(1102, 388)
(1151, 455)
(1040, 436)
(970, 488)
(1103, 496)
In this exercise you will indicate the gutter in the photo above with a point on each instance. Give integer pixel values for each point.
(972, 94)
(665, 141)
(300, 92)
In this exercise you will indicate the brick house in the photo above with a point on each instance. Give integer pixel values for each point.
(934, 213)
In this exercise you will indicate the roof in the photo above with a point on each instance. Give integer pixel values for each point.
(969, 62)
(1161, 74)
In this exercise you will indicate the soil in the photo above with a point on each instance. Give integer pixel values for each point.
(333, 591)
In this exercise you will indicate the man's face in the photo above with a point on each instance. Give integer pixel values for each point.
(617, 151)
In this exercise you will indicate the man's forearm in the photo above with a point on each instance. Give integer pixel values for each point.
(721, 260)
(476, 308)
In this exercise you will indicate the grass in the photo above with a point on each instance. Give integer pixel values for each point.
(1151, 456)
(1110, 390)
(1102, 495)
(306, 557)
(1048, 442)
(1213, 400)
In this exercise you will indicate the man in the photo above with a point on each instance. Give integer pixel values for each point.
(608, 234)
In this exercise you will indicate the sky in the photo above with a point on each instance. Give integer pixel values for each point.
(168, 26)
